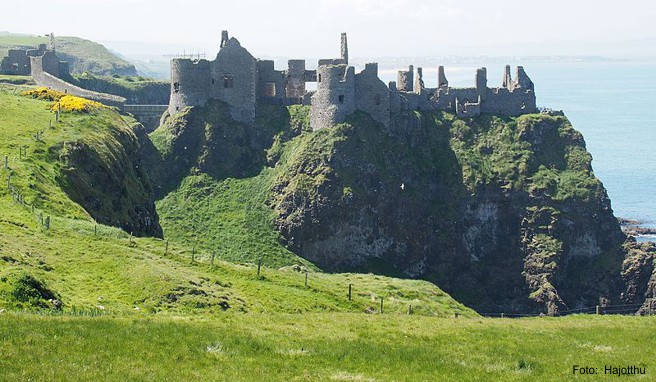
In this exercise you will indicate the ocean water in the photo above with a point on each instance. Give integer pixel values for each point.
(612, 104)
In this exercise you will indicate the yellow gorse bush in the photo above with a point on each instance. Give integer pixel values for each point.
(44, 93)
(73, 103)
(63, 101)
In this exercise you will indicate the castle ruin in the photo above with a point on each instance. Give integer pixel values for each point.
(49, 71)
(243, 82)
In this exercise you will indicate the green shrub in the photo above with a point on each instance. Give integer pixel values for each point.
(26, 289)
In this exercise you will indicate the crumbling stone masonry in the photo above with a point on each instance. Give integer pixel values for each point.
(243, 82)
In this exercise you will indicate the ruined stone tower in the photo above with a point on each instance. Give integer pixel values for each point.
(231, 78)
(344, 49)
(335, 95)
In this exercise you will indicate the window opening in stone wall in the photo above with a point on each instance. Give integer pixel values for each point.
(270, 89)
(227, 81)
(340, 99)
(212, 81)
(176, 87)
(319, 78)
(377, 99)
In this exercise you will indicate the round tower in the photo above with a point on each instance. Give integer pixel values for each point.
(190, 83)
(335, 95)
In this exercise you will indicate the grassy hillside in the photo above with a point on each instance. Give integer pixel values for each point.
(85, 301)
(82, 55)
(322, 347)
(87, 265)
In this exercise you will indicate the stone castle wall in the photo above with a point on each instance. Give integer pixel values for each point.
(372, 95)
(47, 79)
(242, 81)
(17, 62)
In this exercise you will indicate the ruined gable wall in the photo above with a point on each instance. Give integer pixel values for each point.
(371, 94)
(235, 80)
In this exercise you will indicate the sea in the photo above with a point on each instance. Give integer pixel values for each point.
(612, 102)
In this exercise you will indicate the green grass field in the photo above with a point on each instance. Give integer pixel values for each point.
(321, 347)
(135, 310)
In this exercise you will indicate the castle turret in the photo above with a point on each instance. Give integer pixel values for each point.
(405, 79)
(481, 83)
(442, 82)
(507, 79)
(419, 81)
(224, 38)
(335, 96)
(189, 83)
(344, 49)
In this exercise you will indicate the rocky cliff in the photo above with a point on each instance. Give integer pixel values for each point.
(104, 174)
(503, 213)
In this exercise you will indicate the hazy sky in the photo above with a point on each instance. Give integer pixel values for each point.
(376, 28)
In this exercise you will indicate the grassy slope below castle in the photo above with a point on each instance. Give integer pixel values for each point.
(82, 55)
(87, 265)
(182, 330)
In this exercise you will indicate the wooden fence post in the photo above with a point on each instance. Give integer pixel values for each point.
(166, 251)
(306, 278)
(349, 293)
(381, 305)
(597, 309)
(259, 265)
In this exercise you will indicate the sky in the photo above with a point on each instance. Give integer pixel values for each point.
(376, 28)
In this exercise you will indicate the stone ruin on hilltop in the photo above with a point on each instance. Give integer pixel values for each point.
(243, 82)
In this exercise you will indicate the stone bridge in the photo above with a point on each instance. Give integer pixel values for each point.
(148, 115)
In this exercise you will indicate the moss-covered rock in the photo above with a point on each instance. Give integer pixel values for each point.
(504, 213)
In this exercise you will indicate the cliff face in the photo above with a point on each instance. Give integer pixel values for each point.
(104, 174)
(503, 213)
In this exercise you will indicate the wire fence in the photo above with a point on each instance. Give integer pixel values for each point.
(624, 309)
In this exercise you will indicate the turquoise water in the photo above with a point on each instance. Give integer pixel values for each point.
(611, 103)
